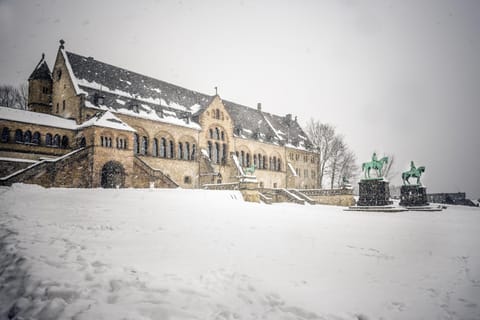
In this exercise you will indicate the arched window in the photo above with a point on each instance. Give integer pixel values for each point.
(48, 139)
(136, 144)
(217, 113)
(180, 150)
(194, 151)
(223, 136)
(217, 153)
(155, 147)
(83, 142)
(279, 165)
(65, 142)
(224, 153)
(18, 136)
(211, 133)
(255, 163)
(163, 148)
(217, 134)
(172, 150)
(5, 134)
(274, 163)
(27, 137)
(36, 138)
(242, 158)
(144, 145)
(56, 140)
(209, 149)
(187, 151)
(247, 157)
(264, 162)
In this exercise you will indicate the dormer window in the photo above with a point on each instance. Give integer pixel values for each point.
(238, 131)
(98, 99)
(133, 107)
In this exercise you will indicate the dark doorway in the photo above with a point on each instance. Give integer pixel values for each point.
(113, 175)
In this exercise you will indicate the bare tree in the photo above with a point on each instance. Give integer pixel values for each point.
(348, 167)
(23, 96)
(12, 97)
(321, 135)
(388, 172)
(338, 149)
(8, 96)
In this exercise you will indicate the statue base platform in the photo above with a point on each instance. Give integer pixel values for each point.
(376, 209)
(413, 196)
(425, 208)
(373, 193)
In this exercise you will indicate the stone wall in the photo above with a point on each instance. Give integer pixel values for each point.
(39, 95)
(70, 172)
(8, 167)
(65, 101)
(336, 197)
(305, 164)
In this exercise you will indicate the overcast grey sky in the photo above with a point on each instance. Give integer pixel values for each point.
(396, 77)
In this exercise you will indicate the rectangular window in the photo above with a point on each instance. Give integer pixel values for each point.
(63, 105)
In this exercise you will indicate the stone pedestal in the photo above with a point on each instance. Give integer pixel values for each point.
(374, 192)
(413, 196)
(249, 190)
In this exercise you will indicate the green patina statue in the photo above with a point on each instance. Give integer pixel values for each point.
(413, 172)
(250, 170)
(374, 164)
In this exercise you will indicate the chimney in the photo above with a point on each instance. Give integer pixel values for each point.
(288, 117)
(259, 106)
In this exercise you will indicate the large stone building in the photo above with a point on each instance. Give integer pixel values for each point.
(91, 124)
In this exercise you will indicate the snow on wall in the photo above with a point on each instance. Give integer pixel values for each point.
(36, 118)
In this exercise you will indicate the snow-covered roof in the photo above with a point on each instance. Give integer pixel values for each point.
(133, 85)
(107, 120)
(258, 125)
(36, 118)
(126, 92)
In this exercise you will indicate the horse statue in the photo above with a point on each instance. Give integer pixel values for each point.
(250, 170)
(413, 173)
(374, 164)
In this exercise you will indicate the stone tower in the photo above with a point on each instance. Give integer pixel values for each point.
(40, 88)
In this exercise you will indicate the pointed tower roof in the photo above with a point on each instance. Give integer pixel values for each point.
(42, 71)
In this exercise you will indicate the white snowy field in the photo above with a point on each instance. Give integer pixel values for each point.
(195, 254)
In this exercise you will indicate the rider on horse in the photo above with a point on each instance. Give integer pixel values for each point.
(412, 167)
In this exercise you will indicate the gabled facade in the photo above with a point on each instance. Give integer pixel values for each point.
(142, 132)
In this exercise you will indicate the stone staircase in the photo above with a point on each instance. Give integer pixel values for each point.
(155, 173)
(265, 199)
(46, 172)
(303, 196)
(281, 195)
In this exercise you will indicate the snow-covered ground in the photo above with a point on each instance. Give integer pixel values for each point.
(195, 254)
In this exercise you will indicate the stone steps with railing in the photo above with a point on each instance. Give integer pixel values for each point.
(155, 173)
(45, 167)
(303, 196)
(281, 195)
